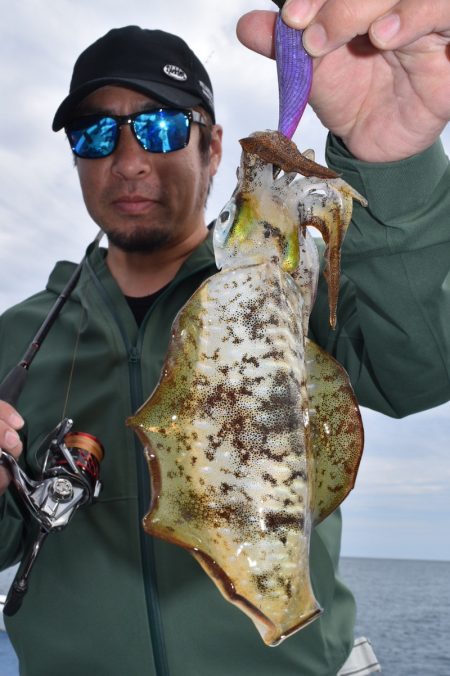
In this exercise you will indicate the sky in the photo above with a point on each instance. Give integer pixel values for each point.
(400, 507)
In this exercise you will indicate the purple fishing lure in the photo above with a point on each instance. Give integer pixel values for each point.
(294, 66)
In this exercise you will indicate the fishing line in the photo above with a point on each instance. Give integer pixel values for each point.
(83, 313)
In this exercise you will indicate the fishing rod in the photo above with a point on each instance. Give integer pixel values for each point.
(70, 473)
(12, 385)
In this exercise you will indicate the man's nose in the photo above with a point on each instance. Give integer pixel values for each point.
(130, 160)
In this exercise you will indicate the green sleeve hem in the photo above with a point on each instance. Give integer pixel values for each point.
(393, 189)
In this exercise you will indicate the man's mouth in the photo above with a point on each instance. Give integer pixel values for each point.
(133, 204)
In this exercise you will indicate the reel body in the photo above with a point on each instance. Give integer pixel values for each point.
(69, 480)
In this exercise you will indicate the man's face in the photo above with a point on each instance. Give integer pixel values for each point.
(145, 201)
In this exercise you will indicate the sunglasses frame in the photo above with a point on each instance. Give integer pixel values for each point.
(77, 124)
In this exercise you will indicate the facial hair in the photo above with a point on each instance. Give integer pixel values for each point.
(139, 241)
(150, 239)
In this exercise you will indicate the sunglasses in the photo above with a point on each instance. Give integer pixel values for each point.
(161, 130)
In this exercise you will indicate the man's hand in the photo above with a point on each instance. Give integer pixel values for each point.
(382, 73)
(10, 422)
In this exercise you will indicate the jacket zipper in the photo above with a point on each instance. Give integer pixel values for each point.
(146, 542)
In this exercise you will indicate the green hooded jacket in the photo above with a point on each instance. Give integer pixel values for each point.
(105, 599)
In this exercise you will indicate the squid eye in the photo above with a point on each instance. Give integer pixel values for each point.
(224, 223)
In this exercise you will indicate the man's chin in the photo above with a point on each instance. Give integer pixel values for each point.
(139, 241)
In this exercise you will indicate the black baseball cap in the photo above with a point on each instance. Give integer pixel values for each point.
(153, 62)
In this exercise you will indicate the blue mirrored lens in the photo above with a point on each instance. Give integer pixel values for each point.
(162, 131)
(96, 139)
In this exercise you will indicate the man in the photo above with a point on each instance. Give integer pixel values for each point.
(104, 598)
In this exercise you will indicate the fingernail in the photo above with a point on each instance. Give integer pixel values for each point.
(11, 439)
(296, 12)
(386, 28)
(16, 420)
(315, 39)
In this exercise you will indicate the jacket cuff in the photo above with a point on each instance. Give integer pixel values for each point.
(393, 189)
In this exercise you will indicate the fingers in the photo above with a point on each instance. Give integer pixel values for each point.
(332, 23)
(410, 20)
(339, 21)
(389, 23)
(300, 13)
(10, 422)
(256, 29)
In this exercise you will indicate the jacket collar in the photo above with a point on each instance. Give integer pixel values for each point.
(201, 258)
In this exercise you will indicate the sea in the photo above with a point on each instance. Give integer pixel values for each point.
(403, 608)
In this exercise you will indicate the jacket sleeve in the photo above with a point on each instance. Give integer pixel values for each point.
(393, 330)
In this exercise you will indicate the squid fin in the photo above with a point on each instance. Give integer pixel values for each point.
(337, 435)
(163, 426)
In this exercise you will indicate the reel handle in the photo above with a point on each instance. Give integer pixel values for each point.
(19, 586)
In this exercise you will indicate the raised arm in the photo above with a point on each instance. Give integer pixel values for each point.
(393, 331)
(382, 73)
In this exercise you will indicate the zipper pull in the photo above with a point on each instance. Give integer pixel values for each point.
(134, 355)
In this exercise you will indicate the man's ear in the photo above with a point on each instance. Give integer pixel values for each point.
(215, 149)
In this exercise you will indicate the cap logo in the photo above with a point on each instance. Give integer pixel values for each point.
(175, 72)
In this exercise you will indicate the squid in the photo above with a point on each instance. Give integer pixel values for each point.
(253, 434)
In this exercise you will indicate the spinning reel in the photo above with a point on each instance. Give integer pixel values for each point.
(69, 479)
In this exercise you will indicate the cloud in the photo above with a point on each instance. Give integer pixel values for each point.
(400, 503)
(405, 458)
